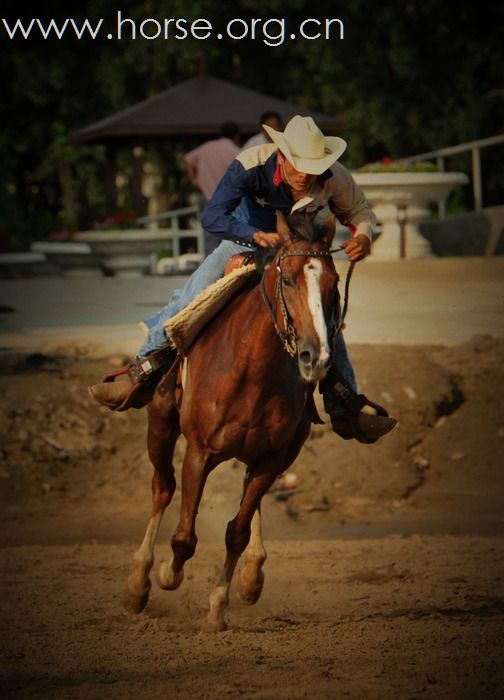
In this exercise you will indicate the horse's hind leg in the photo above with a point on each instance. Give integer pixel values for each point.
(251, 578)
(237, 538)
(162, 436)
(195, 469)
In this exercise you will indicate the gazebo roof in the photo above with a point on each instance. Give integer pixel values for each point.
(196, 107)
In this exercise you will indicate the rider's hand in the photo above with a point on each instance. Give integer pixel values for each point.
(357, 247)
(266, 240)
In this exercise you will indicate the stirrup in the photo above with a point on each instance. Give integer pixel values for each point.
(363, 420)
(145, 374)
(364, 427)
(155, 363)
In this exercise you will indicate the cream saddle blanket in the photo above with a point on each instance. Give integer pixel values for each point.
(188, 323)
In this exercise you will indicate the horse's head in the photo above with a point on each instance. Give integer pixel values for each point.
(306, 292)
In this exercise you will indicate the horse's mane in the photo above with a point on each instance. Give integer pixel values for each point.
(303, 228)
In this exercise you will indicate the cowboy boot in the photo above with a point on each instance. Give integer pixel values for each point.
(353, 416)
(133, 385)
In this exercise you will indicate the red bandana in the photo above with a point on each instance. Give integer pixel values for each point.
(277, 178)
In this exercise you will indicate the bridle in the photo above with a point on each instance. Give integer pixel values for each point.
(288, 337)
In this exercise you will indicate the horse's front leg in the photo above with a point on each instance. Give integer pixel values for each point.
(138, 585)
(237, 538)
(162, 437)
(251, 578)
(195, 469)
(245, 530)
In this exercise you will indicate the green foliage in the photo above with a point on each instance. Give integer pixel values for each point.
(409, 77)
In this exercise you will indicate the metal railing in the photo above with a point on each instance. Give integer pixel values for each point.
(475, 147)
(172, 216)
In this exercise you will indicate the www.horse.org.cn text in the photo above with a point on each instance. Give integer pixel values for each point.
(271, 31)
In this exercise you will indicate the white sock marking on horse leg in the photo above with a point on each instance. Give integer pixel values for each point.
(255, 549)
(219, 597)
(138, 586)
(312, 271)
(145, 553)
(250, 581)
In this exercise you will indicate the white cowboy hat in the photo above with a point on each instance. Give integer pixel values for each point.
(305, 146)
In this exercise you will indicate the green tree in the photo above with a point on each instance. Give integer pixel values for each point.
(408, 77)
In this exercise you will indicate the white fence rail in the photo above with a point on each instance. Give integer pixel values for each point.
(475, 148)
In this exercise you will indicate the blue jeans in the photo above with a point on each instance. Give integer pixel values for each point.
(210, 270)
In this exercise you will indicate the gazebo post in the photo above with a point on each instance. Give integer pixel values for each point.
(110, 178)
(137, 154)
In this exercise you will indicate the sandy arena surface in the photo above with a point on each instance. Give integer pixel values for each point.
(385, 571)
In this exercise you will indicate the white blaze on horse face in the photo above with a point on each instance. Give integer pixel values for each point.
(313, 272)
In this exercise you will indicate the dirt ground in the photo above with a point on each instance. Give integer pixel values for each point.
(385, 571)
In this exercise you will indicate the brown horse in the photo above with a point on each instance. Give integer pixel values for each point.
(247, 394)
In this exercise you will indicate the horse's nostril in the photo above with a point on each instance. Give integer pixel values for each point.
(305, 357)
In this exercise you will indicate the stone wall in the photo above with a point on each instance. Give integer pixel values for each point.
(474, 233)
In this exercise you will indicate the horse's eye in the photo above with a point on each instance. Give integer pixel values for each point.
(286, 282)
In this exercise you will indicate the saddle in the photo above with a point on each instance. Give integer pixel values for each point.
(239, 260)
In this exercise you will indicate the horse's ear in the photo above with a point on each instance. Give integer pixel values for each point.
(328, 229)
(282, 227)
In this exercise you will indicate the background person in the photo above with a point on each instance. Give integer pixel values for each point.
(205, 166)
(269, 118)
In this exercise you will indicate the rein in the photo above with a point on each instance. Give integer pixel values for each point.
(288, 337)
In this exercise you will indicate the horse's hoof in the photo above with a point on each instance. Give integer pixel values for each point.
(168, 579)
(212, 626)
(249, 591)
(134, 604)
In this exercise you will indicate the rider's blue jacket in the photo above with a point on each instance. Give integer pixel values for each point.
(251, 191)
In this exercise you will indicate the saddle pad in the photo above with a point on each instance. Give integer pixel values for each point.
(187, 324)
